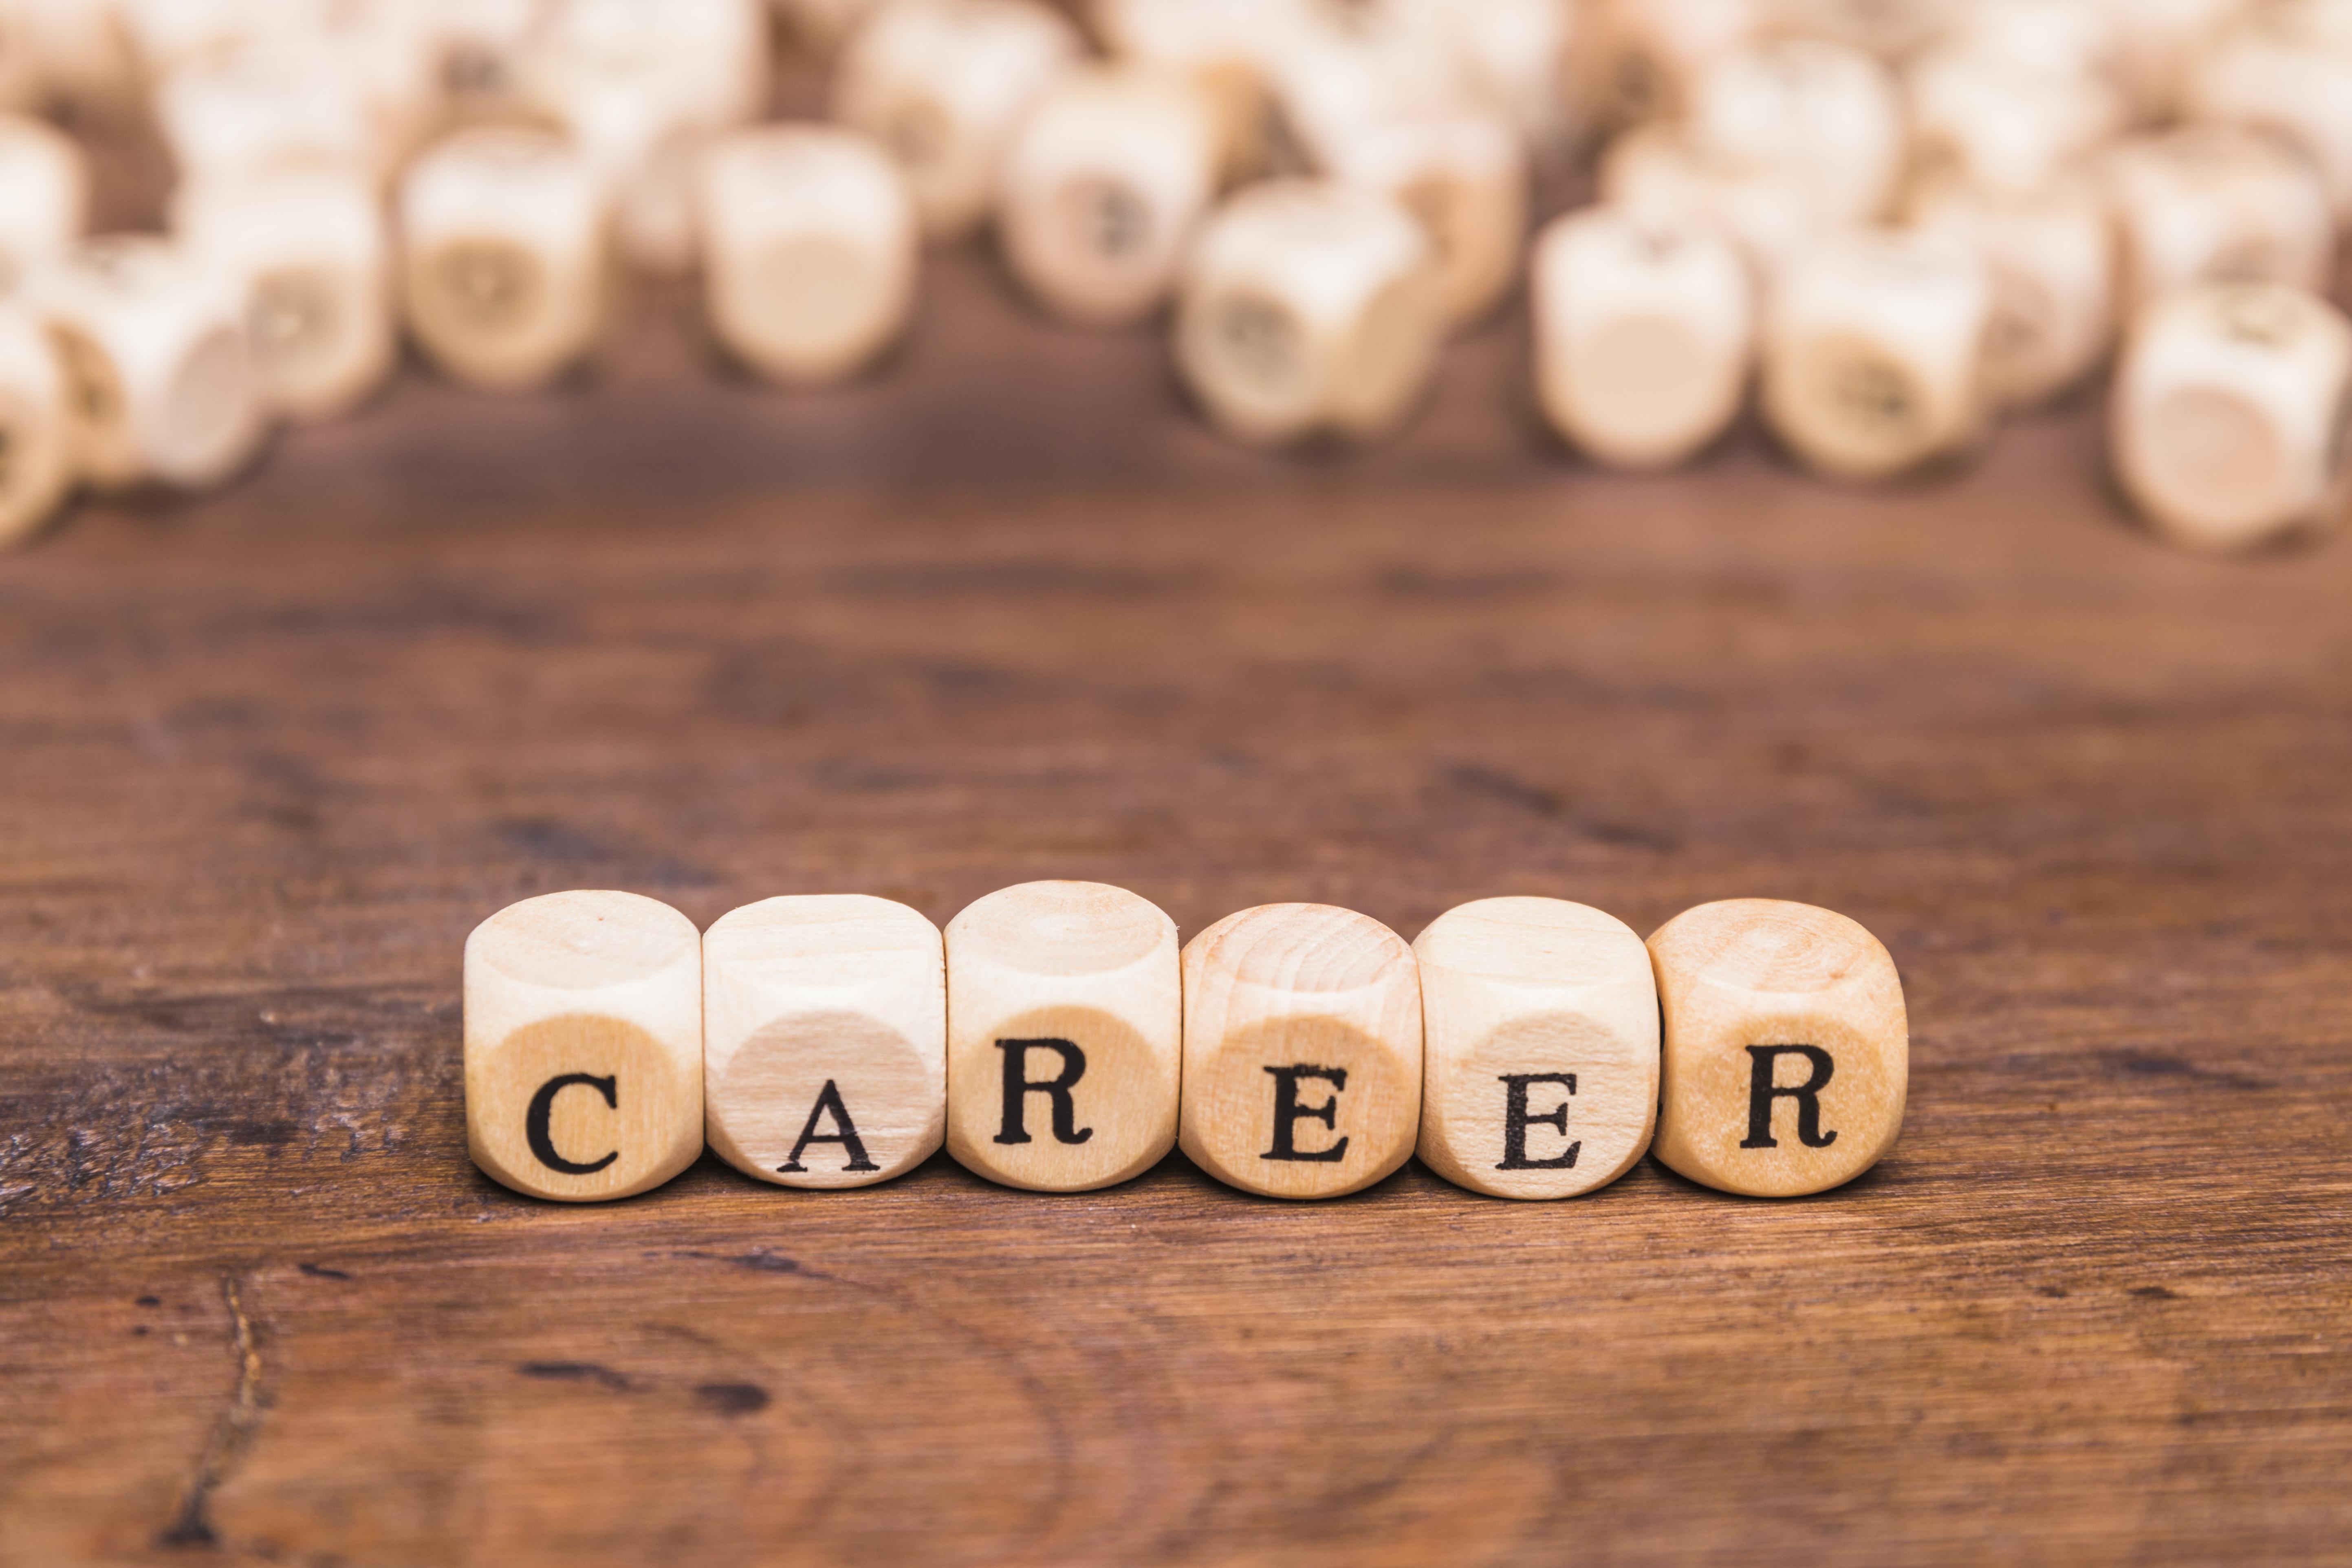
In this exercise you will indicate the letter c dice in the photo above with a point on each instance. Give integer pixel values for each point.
(583, 1045)
(1787, 1051)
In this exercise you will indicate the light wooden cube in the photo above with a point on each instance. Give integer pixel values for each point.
(1302, 1051)
(2216, 201)
(310, 246)
(1223, 46)
(267, 103)
(1463, 175)
(2049, 258)
(1818, 113)
(1983, 120)
(1309, 307)
(1334, 84)
(583, 1045)
(811, 248)
(943, 85)
(1519, 58)
(1644, 333)
(503, 256)
(1786, 1053)
(1103, 187)
(165, 34)
(1542, 1071)
(1640, 56)
(1658, 173)
(1873, 353)
(37, 456)
(160, 382)
(638, 90)
(1065, 1036)
(2285, 69)
(2228, 418)
(44, 196)
(825, 1040)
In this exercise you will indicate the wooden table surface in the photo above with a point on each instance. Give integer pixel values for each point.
(1006, 611)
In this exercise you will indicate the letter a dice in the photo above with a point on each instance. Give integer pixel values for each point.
(825, 1039)
(1787, 1052)
(1065, 1036)
(583, 1044)
(1302, 1051)
(1542, 1020)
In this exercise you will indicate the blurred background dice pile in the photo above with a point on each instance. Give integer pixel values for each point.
(1890, 222)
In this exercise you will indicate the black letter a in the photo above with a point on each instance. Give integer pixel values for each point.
(830, 1099)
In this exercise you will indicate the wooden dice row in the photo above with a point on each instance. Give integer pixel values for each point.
(1057, 1038)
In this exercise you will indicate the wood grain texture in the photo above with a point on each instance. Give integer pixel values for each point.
(1005, 612)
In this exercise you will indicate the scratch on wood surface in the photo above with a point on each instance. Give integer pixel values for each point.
(231, 1435)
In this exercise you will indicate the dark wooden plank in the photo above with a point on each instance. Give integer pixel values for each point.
(1004, 612)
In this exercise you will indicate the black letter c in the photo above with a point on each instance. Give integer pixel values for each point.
(542, 1106)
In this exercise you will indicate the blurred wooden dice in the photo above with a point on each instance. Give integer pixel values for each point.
(810, 250)
(2232, 414)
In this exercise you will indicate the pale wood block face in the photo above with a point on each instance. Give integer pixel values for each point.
(1102, 190)
(2003, 125)
(1872, 353)
(2216, 203)
(943, 85)
(1645, 331)
(44, 196)
(812, 249)
(825, 1040)
(1463, 177)
(312, 248)
(159, 382)
(1302, 1051)
(1638, 61)
(1656, 172)
(1065, 1036)
(1308, 308)
(267, 102)
(35, 441)
(2288, 69)
(1818, 112)
(1541, 1025)
(2229, 420)
(583, 1044)
(502, 256)
(2049, 258)
(1786, 1050)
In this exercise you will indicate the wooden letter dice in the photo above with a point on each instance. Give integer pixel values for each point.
(810, 248)
(943, 85)
(1465, 176)
(2214, 202)
(1873, 353)
(159, 382)
(1102, 189)
(1541, 1079)
(1645, 333)
(2049, 258)
(1065, 1036)
(825, 1040)
(1302, 1051)
(44, 196)
(2228, 419)
(583, 1045)
(312, 248)
(1310, 309)
(502, 256)
(35, 437)
(1826, 115)
(1787, 1053)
